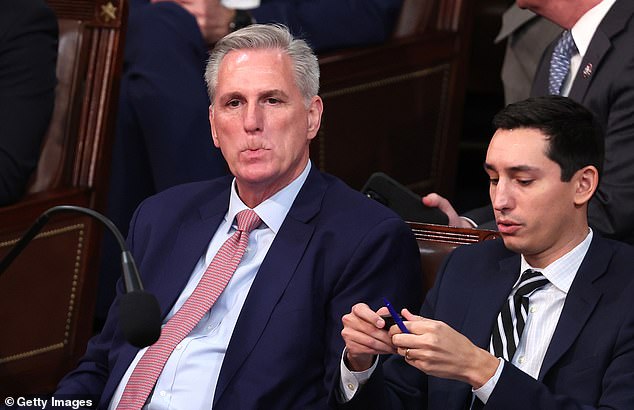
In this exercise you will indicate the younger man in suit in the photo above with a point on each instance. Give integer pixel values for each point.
(271, 338)
(490, 337)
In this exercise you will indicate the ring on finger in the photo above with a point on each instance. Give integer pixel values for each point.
(407, 354)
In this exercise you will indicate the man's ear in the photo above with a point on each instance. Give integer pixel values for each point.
(315, 109)
(213, 127)
(586, 181)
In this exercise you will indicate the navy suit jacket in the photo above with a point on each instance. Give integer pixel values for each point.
(335, 248)
(589, 362)
(605, 85)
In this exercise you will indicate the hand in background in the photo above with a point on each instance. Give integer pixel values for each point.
(434, 200)
(212, 17)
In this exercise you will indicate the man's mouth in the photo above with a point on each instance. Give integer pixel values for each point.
(507, 226)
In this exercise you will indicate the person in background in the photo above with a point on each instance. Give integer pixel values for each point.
(28, 58)
(262, 330)
(539, 319)
(527, 35)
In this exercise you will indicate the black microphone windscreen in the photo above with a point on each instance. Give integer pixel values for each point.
(140, 318)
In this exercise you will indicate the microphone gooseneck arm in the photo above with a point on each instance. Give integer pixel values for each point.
(139, 311)
(131, 278)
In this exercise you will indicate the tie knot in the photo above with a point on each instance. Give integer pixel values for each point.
(247, 220)
(530, 281)
(566, 45)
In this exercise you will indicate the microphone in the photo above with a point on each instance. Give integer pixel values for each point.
(139, 311)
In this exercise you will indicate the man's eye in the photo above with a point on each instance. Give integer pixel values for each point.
(493, 181)
(272, 101)
(233, 103)
(524, 182)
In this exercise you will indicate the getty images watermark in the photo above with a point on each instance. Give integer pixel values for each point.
(49, 402)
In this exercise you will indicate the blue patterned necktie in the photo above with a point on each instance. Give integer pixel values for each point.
(560, 62)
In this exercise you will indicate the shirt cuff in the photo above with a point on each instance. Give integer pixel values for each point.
(470, 221)
(484, 392)
(351, 381)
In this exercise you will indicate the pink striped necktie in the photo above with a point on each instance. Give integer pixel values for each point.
(211, 285)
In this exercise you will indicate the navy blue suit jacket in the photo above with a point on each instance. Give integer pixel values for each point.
(589, 362)
(604, 84)
(335, 248)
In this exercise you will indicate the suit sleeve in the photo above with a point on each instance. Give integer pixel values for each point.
(330, 24)
(611, 210)
(163, 114)
(395, 384)
(28, 56)
(380, 268)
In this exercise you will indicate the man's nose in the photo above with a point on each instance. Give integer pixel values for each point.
(501, 195)
(252, 118)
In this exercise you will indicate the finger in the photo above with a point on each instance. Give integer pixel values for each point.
(409, 315)
(354, 325)
(362, 343)
(407, 352)
(431, 200)
(383, 311)
(434, 200)
(363, 312)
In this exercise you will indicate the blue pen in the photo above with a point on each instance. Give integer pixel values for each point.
(396, 316)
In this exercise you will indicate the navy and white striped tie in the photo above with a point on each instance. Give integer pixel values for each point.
(510, 323)
(511, 320)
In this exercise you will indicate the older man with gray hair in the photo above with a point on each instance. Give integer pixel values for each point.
(253, 271)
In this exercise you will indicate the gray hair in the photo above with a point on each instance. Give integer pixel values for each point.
(267, 36)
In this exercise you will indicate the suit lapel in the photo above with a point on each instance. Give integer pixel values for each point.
(489, 291)
(489, 294)
(580, 302)
(591, 61)
(612, 24)
(193, 237)
(540, 81)
(277, 269)
(512, 19)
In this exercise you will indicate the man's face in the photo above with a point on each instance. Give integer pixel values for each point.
(260, 120)
(534, 210)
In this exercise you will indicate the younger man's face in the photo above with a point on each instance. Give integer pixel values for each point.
(534, 209)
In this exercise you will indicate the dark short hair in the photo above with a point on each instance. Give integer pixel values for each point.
(575, 137)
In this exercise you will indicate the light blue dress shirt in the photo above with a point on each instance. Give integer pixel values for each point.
(189, 378)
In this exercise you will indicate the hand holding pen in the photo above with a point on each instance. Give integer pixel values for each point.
(397, 318)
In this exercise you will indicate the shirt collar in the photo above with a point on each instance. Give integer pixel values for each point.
(584, 28)
(273, 211)
(562, 272)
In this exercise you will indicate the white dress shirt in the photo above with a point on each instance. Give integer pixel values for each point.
(582, 33)
(188, 380)
(545, 307)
